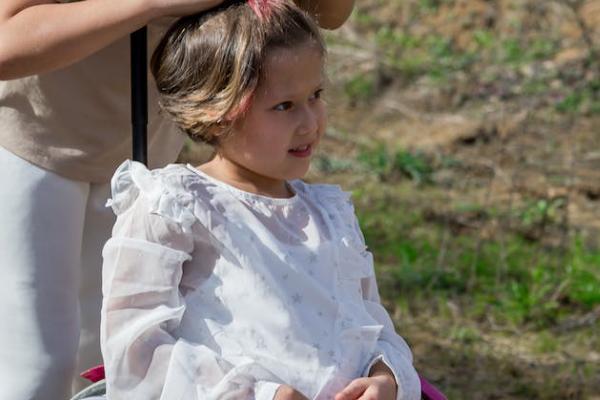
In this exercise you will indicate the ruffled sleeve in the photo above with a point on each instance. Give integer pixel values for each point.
(357, 262)
(391, 348)
(143, 306)
(164, 192)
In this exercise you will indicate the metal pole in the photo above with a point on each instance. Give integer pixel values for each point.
(139, 94)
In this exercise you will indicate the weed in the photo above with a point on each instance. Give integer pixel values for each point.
(512, 52)
(360, 87)
(464, 334)
(542, 49)
(327, 164)
(484, 39)
(541, 212)
(413, 165)
(376, 160)
(570, 103)
(583, 276)
(387, 164)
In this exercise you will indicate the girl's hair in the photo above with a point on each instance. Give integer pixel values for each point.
(207, 66)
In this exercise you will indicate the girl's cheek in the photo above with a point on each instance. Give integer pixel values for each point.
(323, 118)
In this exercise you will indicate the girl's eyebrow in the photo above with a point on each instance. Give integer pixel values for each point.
(287, 95)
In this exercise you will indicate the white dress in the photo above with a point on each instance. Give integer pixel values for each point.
(211, 292)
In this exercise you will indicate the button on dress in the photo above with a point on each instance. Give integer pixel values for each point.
(211, 292)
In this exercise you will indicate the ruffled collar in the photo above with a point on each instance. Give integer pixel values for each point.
(253, 198)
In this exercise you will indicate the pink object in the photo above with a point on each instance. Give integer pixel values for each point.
(430, 392)
(262, 8)
(94, 374)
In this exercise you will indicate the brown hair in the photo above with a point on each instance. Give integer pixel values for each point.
(208, 65)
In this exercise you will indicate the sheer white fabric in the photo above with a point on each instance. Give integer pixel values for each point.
(215, 293)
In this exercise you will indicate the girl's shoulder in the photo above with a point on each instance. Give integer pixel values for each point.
(164, 191)
(322, 192)
(336, 202)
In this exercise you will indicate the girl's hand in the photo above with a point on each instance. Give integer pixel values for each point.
(286, 392)
(379, 387)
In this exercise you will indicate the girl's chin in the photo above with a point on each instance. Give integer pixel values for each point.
(299, 173)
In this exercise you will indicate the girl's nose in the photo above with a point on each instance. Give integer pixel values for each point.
(309, 122)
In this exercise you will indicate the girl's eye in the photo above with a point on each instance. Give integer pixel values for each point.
(286, 105)
(317, 94)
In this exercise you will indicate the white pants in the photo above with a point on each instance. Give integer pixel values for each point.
(52, 230)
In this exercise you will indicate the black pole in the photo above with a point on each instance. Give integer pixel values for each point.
(139, 94)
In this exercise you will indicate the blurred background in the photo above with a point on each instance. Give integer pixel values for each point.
(468, 132)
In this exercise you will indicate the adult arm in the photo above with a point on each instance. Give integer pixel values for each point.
(38, 36)
(330, 14)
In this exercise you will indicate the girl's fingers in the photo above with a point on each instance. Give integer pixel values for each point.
(353, 390)
(369, 394)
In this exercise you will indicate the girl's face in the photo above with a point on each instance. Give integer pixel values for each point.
(277, 136)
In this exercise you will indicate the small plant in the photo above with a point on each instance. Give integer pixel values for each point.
(542, 49)
(512, 51)
(465, 334)
(413, 165)
(541, 212)
(530, 300)
(387, 164)
(583, 275)
(376, 160)
(327, 164)
(585, 100)
(570, 103)
(360, 87)
(484, 39)
(429, 5)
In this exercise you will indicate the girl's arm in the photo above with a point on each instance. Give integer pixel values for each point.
(38, 36)
(144, 354)
(392, 354)
(330, 14)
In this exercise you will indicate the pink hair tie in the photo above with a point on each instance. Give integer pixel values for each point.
(262, 8)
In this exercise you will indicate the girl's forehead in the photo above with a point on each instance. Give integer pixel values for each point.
(289, 70)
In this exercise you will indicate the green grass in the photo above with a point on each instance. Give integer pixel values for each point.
(360, 87)
(388, 164)
(585, 99)
(514, 280)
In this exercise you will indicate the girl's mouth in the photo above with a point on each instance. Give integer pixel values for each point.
(301, 151)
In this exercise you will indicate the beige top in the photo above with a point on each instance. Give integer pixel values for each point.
(76, 121)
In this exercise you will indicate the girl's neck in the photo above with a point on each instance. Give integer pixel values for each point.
(244, 179)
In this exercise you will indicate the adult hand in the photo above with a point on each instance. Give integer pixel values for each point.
(379, 387)
(67, 31)
(176, 8)
(286, 392)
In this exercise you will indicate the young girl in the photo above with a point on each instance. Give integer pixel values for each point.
(235, 279)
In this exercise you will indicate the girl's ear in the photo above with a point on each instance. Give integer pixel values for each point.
(218, 131)
(240, 109)
(224, 124)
